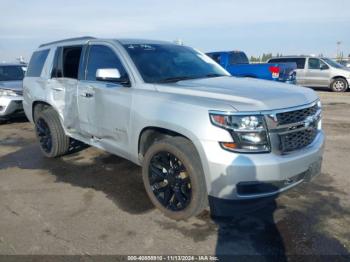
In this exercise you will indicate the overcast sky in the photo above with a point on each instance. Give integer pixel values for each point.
(255, 26)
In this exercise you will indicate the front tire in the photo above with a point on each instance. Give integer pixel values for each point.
(339, 85)
(174, 178)
(50, 134)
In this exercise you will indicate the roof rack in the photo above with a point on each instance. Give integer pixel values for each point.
(68, 39)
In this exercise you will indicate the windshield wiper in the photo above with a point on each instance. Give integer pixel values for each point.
(214, 75)
(176, 79)
(180, 78)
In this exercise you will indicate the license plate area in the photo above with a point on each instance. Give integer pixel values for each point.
(314, 169)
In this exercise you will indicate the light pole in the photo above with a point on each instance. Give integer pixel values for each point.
(338, 49)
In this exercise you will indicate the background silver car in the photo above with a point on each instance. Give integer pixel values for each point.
(318, 72)
(11, 90)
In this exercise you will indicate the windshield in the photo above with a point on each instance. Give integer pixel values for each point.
(333, 63)
(11, 73)
(162, 63)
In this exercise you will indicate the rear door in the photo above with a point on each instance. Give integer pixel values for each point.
(317, 73)
(63, 84)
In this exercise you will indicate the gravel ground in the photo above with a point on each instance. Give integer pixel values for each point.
(91, 202)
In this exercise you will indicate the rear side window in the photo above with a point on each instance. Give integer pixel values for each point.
(101, 56)
(37, 62)
(238, 58)
(66, 62)
(299, 61)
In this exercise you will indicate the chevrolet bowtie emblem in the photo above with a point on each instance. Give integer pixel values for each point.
(308, 121)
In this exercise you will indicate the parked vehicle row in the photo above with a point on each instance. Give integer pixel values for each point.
(318, 72)
(11, 76)
(198, 133)
(237, 64)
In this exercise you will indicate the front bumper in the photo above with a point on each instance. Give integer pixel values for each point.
(234, 176)
(10, 106)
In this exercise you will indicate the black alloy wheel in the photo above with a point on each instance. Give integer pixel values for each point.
(170, 181)
(44, 134)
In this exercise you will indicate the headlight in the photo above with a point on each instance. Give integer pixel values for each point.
(319, 104)
(248, 132)
(6, 92)
(319, 123)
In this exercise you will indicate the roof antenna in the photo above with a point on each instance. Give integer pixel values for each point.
(178, 41)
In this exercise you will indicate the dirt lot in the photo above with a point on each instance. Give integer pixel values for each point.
(92, 202)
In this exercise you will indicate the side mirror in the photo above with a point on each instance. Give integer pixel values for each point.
(108, 74)
(324, 67)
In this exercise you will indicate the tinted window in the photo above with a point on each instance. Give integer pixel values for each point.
(299, 61)
(238, 58)
(11, 73)
(160, 63)
(37, 62)
(71, 60)
(103, 57)
(57, 69)
(315, 63)
(215, 57)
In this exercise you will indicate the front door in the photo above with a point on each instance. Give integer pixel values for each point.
(105, 105)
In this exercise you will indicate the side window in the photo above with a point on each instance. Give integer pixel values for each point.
(279, 60)
(66, 62)
(216, 57)
(238, 58)
(100, 57)
(300, 62)
(314, 63)
(323, 65)
(70, 61)
(57, 70)
(36, 63)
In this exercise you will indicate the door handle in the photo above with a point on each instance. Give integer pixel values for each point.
(87, 95)
(60, 89)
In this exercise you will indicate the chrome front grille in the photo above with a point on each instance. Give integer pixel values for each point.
(297, 140)
(295, 129)
(296, 116)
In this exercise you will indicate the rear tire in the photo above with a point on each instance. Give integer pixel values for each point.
(339, 85)
(51, 136)
(180, 181)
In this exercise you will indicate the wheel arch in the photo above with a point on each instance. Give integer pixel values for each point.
(150, 134)
(39, 105)
(339, 76)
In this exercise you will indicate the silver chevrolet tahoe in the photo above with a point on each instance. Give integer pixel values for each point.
(196, 131)
(11, 76)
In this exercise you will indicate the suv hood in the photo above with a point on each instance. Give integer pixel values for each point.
(12, 85)
(244, 94)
